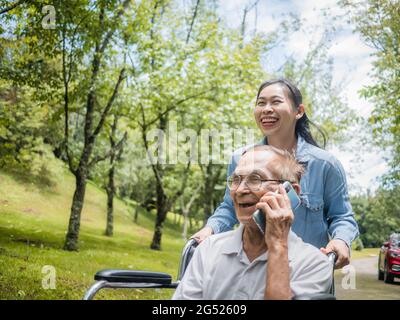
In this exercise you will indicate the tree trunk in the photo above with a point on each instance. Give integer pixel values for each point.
(210, 180)
(136, 216)
(162, 209)
(111, 184)
(190, 223)
(185, 224)
(156, 243)
(71, 239)
(110, 201)
(208, 193)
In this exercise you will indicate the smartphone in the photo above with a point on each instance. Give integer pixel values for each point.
(259, 216)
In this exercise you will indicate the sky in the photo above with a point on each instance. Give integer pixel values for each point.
(352, 58)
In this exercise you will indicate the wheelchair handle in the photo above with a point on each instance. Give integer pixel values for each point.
(187, 253)
(332, 257)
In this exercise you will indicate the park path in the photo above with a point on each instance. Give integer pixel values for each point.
(367, 285)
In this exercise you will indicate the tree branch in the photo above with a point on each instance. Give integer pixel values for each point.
(183, 185)
(116, 148)
(66, 103)
(174, 105)
(109, 104)
(192, 23)
(246, 10)
(89, 136)
(12, 6)
(111, 32)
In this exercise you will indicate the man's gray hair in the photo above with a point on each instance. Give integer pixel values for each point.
(286, 167)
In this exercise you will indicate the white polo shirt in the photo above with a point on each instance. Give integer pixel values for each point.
(221, 270)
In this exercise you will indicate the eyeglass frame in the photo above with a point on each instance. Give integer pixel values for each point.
(245, 181)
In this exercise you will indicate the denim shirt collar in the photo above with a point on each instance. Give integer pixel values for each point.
(301, 149)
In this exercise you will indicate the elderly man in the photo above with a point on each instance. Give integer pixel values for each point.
(247, 264)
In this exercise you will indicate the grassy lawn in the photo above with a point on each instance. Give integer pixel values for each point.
(33, 223)
(365, 253)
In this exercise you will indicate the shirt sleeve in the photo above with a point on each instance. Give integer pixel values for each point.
(224, 217)
(191, 285)
(313, 275)
(340, 216)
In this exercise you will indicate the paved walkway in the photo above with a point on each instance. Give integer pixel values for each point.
(367, 285)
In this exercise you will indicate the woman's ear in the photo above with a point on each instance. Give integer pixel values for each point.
(300, 111)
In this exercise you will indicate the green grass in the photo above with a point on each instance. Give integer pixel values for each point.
(365, 253)
(33, 222)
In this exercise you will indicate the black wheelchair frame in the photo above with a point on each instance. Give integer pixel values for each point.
(114, 278)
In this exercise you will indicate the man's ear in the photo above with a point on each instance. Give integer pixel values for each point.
(296, 188)
(300, 111)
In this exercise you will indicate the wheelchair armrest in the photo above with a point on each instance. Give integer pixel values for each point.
(135, 276)
(315, 296)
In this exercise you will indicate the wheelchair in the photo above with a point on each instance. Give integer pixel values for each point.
(113, 278)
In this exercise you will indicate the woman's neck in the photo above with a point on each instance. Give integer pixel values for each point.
(286, 142)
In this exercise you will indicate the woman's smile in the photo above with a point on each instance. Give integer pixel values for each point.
(268, 122)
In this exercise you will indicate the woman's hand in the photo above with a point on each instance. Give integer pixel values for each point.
(201, 235)
(279, 217)
(342, 251)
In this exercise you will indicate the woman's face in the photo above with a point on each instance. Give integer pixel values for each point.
(274, 112)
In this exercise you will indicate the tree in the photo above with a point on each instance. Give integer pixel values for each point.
(164, 91)
(378, 22)
(106, 29)
(377, 215)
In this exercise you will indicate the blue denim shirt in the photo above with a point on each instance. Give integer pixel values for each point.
(325, 211)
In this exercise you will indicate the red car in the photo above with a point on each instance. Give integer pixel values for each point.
(389, 259)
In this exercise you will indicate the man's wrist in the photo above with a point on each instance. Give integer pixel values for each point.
(278, 247)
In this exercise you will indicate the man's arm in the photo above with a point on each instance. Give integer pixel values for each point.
(279, 217)
(278, 275)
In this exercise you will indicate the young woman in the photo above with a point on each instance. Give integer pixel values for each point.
(325, 218)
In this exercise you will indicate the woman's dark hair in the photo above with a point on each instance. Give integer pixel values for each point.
(303, 124)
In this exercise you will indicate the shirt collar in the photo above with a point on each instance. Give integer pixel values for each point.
(234, 244)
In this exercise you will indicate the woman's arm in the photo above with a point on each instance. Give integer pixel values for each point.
(224, 217)
(342, 225)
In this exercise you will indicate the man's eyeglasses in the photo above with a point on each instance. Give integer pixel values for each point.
(252, 181)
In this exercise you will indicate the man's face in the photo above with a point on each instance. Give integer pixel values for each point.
(253, 163)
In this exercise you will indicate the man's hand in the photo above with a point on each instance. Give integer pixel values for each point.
(279, 217)
(201, 235)
(342, 251)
